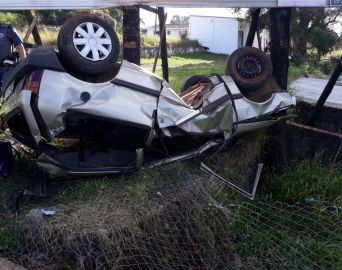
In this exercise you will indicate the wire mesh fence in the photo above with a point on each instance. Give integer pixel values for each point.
(190, 225)
(175, 217)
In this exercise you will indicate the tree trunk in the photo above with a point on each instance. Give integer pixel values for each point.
(253, 27)
(299, 45)
(131, 34)
(280, 43)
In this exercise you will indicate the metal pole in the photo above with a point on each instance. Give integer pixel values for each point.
(325, 94)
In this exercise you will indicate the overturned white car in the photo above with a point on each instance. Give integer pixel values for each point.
(113, 118)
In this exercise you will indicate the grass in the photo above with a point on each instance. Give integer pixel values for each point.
(48, 35)
(295, 72)
(306, 179)
(295, 219)
(169, 207)
(182, 67)
(335, 53)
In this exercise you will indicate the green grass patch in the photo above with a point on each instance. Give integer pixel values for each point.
(184, 66)
(295, 72)
(190, 60)
(305, 179)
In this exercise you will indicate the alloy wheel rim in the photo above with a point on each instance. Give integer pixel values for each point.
(92, 41)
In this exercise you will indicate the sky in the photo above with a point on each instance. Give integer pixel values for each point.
(149, 18)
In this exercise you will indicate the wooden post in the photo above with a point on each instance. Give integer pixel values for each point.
(325, 94)
(280, 43)
(158, 49)
(253, 27)
(131, 34)
(32, 21)
(163, 45)
(29, 31)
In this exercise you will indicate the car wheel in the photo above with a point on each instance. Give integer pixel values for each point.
(249, 67)
(88, 44)
(194, 80)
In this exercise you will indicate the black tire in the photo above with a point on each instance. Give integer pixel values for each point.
(249, 67)
(194, 80)
(98, 60)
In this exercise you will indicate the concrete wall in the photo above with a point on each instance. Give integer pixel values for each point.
(219, 34)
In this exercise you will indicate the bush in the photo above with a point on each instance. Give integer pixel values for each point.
(323, 40)
(154, 42)
(15, 19)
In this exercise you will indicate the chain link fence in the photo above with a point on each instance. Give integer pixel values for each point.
(174, 217)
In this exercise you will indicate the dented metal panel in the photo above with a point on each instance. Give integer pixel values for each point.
(107, 100)
(172, 109)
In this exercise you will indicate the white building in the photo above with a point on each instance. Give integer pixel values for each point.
(172, 30)
(222, 34)
(218, 34)
(264, 36)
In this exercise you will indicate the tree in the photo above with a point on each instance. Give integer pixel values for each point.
(176, 19)
(303, 23)
(54, 17)
(58, 17)
(323, 40)
(15, 19)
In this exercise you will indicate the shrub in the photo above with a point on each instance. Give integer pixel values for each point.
(154, 42)
(324, 41)
(14, 19)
